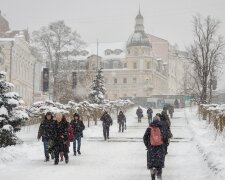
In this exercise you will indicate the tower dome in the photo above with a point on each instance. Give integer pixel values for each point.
(139, 37)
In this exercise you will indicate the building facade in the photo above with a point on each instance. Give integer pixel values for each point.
(17, 61)
(143, 66)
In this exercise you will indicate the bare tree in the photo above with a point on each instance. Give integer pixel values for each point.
(206, 54)
(57, 41)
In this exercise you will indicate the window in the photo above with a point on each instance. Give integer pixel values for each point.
(125, 65)
(125, 95)
(135, 65)
(108, 52)
(115, 64)
(134, 80)
(117, 51)
(115, 81)
(148, 65)
(124, 80)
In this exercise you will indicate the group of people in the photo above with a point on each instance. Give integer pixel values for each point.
(156, 139)
(140, 115)
(57, 134)
(107, 122)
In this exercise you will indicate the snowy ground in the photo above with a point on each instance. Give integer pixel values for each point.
(122, 158)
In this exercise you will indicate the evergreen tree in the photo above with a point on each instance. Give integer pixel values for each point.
(97, 93)
(11, 114)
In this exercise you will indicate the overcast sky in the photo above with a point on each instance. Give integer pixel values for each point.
(113, 20)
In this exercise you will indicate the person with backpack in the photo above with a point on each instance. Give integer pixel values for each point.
(149, 113)
(78, 128)
(60, 146)
(47, 133)
(121, 119)
(139, 113)
(106, 123)
(153, 140)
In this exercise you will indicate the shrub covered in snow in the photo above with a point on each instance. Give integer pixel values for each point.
(12, 115)
(215, 114)
(87, 111)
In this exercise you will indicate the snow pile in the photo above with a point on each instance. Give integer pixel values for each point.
(12, 153)
(211, 142)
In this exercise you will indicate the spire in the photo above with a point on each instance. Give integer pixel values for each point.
(139, 27)
(139, 9)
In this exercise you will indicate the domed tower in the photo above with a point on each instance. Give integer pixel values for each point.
(138, 46)
(139, 38)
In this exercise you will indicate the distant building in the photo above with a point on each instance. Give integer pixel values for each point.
(143, 66)
(17, 60)
(4, 25)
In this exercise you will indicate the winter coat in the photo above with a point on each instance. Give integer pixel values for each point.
(139, 112)
(171, 109)
(121, 118)
(166, 125)
(165, 117)
(155, 154)
(149, 111)
(106, 120)
(61, 137)
(78, 127)
(46, 130)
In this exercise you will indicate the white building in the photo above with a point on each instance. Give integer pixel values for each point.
(143, 66)
(18, 63)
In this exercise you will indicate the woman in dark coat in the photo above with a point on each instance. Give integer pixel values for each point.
(155, 154)
(61, 139)
(47, 133)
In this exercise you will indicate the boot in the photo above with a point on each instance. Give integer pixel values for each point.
(79, 152)
(46, 160)
(67, 160)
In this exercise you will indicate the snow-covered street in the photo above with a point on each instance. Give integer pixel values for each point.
(122, 158)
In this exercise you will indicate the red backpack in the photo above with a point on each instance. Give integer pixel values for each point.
(156, 136)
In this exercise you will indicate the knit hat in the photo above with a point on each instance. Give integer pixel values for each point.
(156, 118)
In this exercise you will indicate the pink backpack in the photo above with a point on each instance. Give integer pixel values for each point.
(155, 137)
